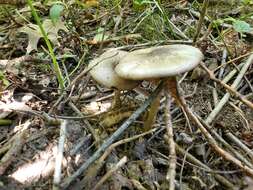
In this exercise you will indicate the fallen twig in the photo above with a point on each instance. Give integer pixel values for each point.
(226, 155)
(232, 61)
(171, 174)
(226, 97)
(240, 144)
(229, 88)
(137, 184)
(225, 143)
(86, 122)
(108, 151)
(195, 161)
(113, 137)
(110, 172)
(59, 156)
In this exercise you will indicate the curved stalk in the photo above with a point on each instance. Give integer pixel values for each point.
(151, 117)
(116, 100)
(56, 67)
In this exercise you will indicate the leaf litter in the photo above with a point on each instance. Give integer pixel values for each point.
(30, 93)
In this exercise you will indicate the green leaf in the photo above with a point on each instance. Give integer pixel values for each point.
(55, 12)
(241, 26)
(247, 2)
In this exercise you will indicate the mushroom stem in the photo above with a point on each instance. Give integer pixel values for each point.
(116, 100)
(151, 116)
(172, 86)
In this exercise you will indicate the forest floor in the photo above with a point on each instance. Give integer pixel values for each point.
(49, 130)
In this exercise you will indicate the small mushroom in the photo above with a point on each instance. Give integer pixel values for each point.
(102, 71)
(156, 63)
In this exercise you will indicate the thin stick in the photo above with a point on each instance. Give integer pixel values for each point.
(231, 61)
(240, 144)
(171, 174)
(123, 141)
(223, 60)
(137, 184)
(100, 162)
(59, 156)
(226, 144)
(231, 74)
(110, 172)
(195, 161)
(182, 166)
(201, 20)
(229, 88)
(174, 27)
(86, 122)
(174, 89)
(226, 155)
(114, 137)
(226, 97)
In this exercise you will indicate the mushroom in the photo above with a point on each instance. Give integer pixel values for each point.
(102, 71)
(156, 63)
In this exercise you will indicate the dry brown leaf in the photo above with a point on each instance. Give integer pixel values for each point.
(34, 34)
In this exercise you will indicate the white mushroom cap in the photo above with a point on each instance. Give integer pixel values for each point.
(158, 62)
(102, 70)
